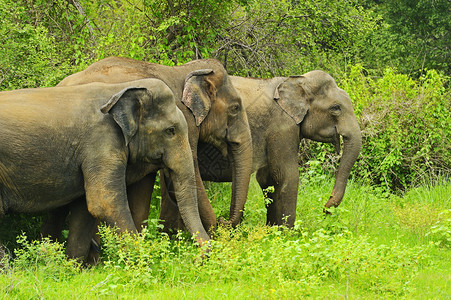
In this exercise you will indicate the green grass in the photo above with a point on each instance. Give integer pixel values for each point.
(375, 245)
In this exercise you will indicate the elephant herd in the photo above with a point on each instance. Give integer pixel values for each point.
(89, 148)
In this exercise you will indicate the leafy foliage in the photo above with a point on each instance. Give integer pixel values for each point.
(268, 38)
(421, 30)
(44, 255)
(383, 53)
(404, 126)
(364, 250)
(30, 51)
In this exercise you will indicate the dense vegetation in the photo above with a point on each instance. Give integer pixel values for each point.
(374, 246)
(389, 238)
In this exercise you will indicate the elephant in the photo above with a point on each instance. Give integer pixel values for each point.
(62, 143)
(215, 115)
(282, 111)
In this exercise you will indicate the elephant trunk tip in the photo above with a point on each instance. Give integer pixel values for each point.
(230, 223)
(336, 197)
(333, 202)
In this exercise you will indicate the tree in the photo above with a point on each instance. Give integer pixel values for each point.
(267, 38)
(418, 34)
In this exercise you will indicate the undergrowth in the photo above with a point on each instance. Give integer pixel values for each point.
(374, 245)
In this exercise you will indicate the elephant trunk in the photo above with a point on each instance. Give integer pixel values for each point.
(241, 159)
(184, 182)
(352, 144)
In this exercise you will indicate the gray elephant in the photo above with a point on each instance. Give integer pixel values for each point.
(281, 112)
(60, 143)
(215, 115)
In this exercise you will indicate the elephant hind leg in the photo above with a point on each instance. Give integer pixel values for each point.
(53, 223)
(82, 226)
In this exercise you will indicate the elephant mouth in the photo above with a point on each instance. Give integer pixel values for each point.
(156, 161)
(336, 141)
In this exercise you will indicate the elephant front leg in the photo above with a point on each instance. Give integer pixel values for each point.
(281, 206)
(106, 196)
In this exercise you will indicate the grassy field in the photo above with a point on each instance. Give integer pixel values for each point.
(375, 245)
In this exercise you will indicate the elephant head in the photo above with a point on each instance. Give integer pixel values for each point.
(215, 113)
(156, 132)
(220, 115)
(324, 113)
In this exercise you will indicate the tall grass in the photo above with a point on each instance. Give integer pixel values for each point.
(375, 245)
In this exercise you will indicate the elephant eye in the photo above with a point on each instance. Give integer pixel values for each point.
(234, 108)
(335, 109)
(170, 131)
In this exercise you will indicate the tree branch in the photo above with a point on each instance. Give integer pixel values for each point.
(87, 21)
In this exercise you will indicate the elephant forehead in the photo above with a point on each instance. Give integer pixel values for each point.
(157, 110)
(341, 97)
(229, 94)
(157, 121)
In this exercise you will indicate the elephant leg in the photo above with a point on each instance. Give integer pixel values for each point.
(283, 174)
(53, 223)
(206, 212)
(265, 181)
(139, 196)
(82, 226)
(169, 213)
(106, 195)
(282, 209)
(94, 249)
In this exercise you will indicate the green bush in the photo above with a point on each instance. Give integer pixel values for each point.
(405, 126)
(28, 52)
(47, 256)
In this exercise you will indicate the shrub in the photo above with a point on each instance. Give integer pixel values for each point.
(47, 256)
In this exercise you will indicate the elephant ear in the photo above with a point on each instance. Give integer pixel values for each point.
(292, 98)
(125, 108)
(198, 93)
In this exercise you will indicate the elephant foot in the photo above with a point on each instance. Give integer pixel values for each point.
(94, 254)
(224, 222)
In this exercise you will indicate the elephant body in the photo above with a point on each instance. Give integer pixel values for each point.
(61, 143)
(214, 113)
(281, 111)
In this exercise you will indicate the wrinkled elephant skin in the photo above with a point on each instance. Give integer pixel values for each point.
(61, 143)
(215, 116)
(282, 111)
